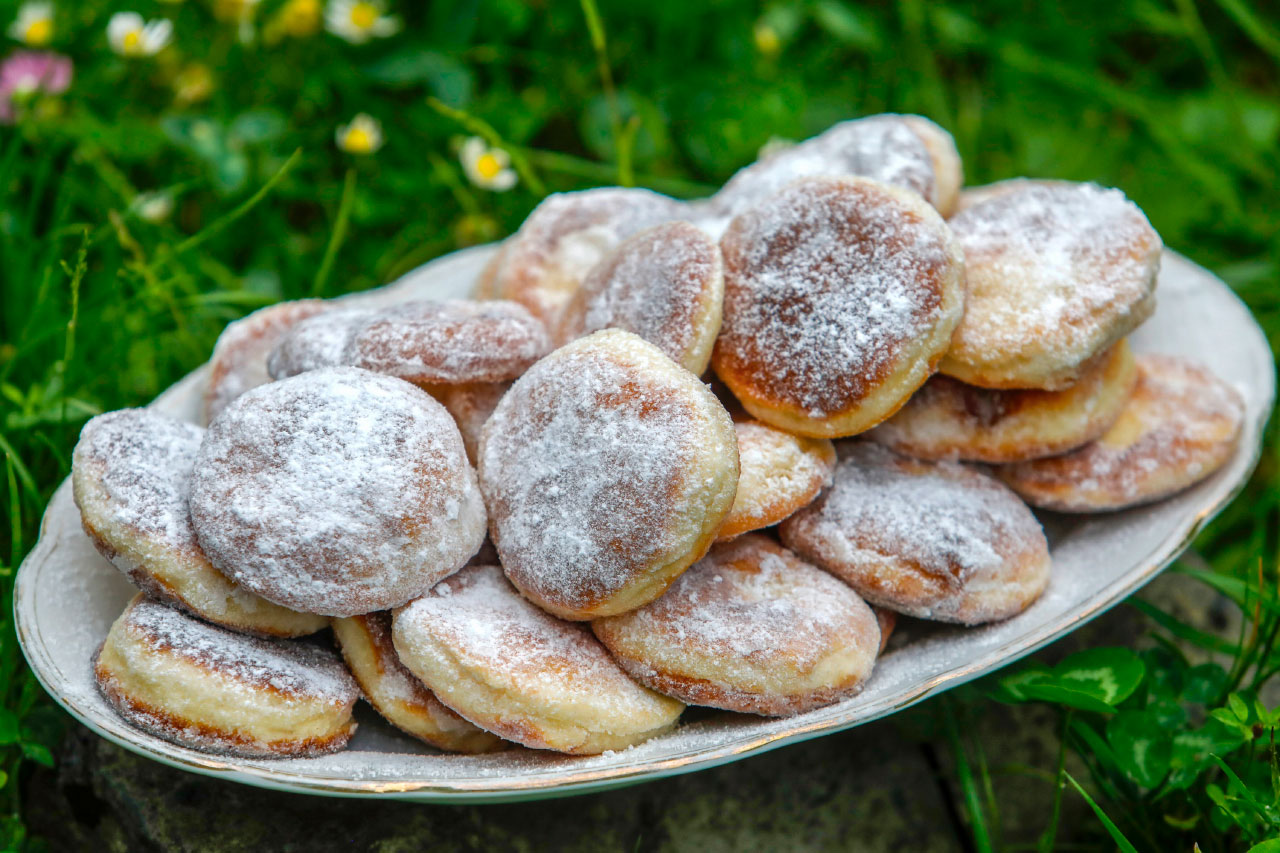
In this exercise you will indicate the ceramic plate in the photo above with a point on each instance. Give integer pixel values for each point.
(67, 596)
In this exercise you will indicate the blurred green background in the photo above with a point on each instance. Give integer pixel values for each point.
(159, 197)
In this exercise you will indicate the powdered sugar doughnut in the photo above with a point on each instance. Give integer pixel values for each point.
(948, 171)
(131, 474)
(239, 359)
(449, 342)
(521, 673)
(935, 540)
(1180, 425)
(396, 693)
(666, 284)
(607, 469)
(486, 284)
(1056, 274)
(947, 419)
(337, 491)
(750, 627)
(972, 196)
(206, 688)
(841, 295)
(318, 341)
(566, 235)
(885, 148)
(778, 473)
(471, 405)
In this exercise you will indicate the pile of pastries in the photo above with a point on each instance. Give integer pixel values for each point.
(607, 487)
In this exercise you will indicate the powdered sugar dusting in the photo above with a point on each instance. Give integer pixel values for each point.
(779, 473)
(449, 342)
(319, 341)
(883, 148)
(489, 627)
(143, 460)
(585, 467)
(664, 284)
(291, 668)
(950, 521)
(1064, 268)
(825, 286)
(337, 491)
(239, 360)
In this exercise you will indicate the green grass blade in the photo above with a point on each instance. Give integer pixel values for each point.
(1114, 831)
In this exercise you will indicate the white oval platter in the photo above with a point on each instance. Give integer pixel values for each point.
(66, 597)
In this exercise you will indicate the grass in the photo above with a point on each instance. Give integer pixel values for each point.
(103, 304)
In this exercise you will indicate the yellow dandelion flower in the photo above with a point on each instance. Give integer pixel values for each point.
(301, 18)
(362, 136)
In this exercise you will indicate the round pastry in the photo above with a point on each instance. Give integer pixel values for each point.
(750, 627)
(471, 405)
(841, 295)
(396, 693)
(1056, 274)
(778, 473)
(337, 491)
(607, 470)
(884, 148)
(207, 688)
(971, 196)
(318, 341)
(239, 360)
(947, 419)
(948, 171)
(521, 673)
(131, 475)
(450, 342)
(1180, 425)
(887, 620)
(935, 540)
(566, 235)
(666, 284)
(486, 284)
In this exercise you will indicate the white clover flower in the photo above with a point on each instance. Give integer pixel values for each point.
(487, 168)
(129, 35)
(153, 207)
(362, 136)
(34, 24)
(358, 21)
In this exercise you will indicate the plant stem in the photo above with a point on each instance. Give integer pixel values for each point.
(339, 233)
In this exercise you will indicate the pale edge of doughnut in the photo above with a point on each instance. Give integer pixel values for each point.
(948, 170)
(921, 356)
(184, 578)
(1067, 484)
(778, 474)
(205, 720)
(1041, 423)
(765, 687)
(492, 700)
(413, 709)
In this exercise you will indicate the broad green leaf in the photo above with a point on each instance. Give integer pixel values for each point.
(1108, 674)
(257, 126)
(1270, 846)
(848, 24)
(449, 80)
(1141, 746)
(1238, 707)
(39, 753)
(1204, 683)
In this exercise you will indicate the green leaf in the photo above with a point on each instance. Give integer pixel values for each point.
(1204, 683)
(449, 80)
(8, 727)
(1141, 746)
(39, 753)
(1114, 831)
(257, 126)
(848, 24)
(1269, 846)
(1238, 707)
(1109, 674)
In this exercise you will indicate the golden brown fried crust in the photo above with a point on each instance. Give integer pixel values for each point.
(773, 351)
(397, 694)
(779, 474)
(1180, 425)
(947, 419)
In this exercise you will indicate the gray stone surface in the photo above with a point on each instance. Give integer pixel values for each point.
(875, 788)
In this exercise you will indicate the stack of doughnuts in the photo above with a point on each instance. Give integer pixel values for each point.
(672, 453)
